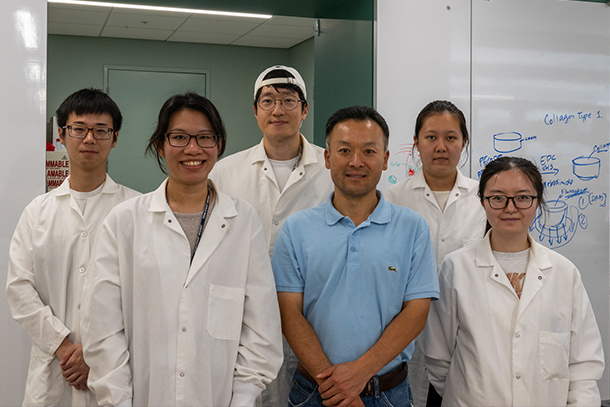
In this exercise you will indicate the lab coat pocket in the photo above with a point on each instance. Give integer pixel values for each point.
(45, 383)
(554, 354)
(225, 312)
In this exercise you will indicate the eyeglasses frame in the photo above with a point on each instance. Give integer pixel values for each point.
(216, 140)
(510, 198)
(258, 103)
(111, 132)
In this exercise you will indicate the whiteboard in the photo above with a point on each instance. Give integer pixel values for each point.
(537, 79)
(540, 90)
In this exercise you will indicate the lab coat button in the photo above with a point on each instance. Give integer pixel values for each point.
(518, 377)
(83, 234)
(223, 225)
(169, 221)
(496, 275)
(82, 270)
(539, 277)
(517, 336)
(276, 223)
(442, 239)
(183, 329)
(182, 374)
(301, 173)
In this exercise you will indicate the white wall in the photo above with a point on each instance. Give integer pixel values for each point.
(23, 29)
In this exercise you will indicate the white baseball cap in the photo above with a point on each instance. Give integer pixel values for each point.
(297, 80)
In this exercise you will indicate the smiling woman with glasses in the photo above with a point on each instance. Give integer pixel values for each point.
(513, 325)
(181, 308)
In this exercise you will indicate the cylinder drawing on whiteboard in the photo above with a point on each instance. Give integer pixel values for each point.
(507, 142)
(586, 168)
(558, 224)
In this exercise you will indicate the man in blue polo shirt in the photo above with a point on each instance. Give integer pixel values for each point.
(354, 277)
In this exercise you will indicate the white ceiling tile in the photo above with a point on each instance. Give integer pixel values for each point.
(218, 26)
(206, 38)
(285, 20)
(277, 32)
(229, 18)
(87, 30)
(77, 16)
(288, 31)
(150, 12)
(136, 33)
(78, 7)
(155, 22)
(267, 42)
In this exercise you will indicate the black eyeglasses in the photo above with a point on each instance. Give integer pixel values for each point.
(80, 131)
(182, 139)
(287, 103)
(519, 201)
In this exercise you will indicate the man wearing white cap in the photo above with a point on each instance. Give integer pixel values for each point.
(281, 175)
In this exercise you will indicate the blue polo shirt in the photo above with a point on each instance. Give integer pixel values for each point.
(354, 279)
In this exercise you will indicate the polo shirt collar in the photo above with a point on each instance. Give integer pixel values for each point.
(381, 214)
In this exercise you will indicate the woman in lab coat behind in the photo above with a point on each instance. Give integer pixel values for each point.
(181, 307)
(514, 325)
(444, 197)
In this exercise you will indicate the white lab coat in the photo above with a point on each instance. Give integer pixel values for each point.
(486, 347)
(463, 221)
(249, 175)
(170, 333)
(48, 259)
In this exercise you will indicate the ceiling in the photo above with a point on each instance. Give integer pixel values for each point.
(277, 32)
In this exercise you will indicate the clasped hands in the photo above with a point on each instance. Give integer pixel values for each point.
(341, 384)
(73, 366)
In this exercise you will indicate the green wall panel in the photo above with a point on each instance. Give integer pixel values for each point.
(343, 69)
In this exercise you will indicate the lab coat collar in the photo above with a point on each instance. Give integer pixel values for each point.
(110, 187)
(485, 258)
(224, 205)
(461, 181)
(535, 276)
(381, 214)
(215, 229)
(309, 154)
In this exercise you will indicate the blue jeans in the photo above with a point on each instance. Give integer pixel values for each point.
(304, 393)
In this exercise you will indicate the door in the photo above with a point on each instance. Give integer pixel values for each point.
(140, 93)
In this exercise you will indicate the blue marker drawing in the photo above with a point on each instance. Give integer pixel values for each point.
(507, 142)
(546, 163)
(586, 168)
(558, 226)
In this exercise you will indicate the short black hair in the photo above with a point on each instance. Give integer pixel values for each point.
(185, 101)
(281, 73)
(89, 101)
(358, 113)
